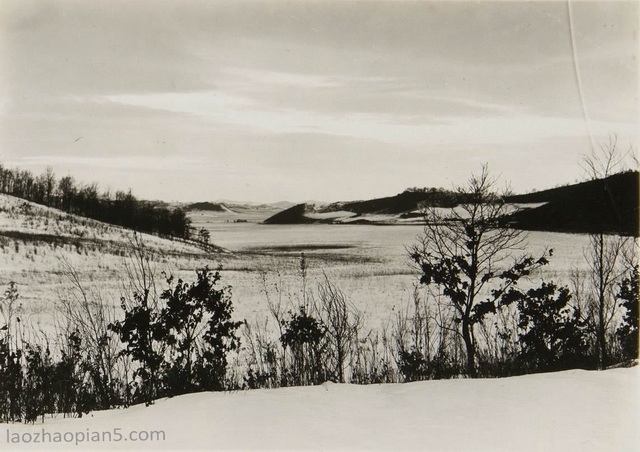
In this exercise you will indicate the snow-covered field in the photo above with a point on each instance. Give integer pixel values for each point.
(575, 410)
(368, 263)
(566, 411)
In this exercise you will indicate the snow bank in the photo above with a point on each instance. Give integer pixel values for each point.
(566, 411)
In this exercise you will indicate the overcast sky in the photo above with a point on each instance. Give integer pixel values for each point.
(300, 100)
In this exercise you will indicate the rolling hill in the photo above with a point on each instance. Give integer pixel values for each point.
(293, 215)
(401, 208)
(605, 205)
(210, 206)
(33, 224)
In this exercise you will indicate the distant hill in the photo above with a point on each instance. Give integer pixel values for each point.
(609, 205)
(406, 201)
(605, 205)
(402, 207)
(251, 205)
(209, 206)
(203, 213)
(237, 207)
(257, 207)
(292, 215)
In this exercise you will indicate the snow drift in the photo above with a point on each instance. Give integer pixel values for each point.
(573, 410)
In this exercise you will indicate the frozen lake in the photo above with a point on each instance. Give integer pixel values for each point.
(369, 263)
(383, 244)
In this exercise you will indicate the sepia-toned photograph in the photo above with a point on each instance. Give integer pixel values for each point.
(319, 225)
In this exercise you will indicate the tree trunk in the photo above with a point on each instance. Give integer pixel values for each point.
(602, 340)
(468, 342)
(340, 353)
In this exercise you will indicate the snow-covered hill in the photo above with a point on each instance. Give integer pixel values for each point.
(34, 223)
(565, 411)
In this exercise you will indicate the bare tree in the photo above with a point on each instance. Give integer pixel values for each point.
(604, 252)
(468, 252)
(603, 256)
(608, 159)
(140, 284)
(49, 184)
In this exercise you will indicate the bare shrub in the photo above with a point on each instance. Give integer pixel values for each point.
(342, 322)
(86, 316)
(372, 360)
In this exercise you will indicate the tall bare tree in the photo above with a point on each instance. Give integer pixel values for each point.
(469, 253)
(604, 252)
(608, 159)
(603, 257)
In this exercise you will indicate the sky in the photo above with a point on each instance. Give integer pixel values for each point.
(313, 100)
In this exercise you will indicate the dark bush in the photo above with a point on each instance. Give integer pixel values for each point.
(627, 333)
(304, 335)
(196, 324)
(552, 336)
(412, 365)
(180, 347)
(11, 382)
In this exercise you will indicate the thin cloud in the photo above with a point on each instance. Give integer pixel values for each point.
(374, 94)
(236, 111)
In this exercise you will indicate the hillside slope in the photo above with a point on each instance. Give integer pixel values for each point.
(210, 206)
(32, 223)
(292, 215)
(606, 205)
(40, 248)
(566, 411)
(406, 201)
(609, 205)
(387, 210)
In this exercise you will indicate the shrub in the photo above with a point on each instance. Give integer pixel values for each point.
(183, 346)
(342, 322)
(11, 381)
(627, 333)
(412, 365)
(196, 324)
(304, 335)
(37, 396)
(552, 336)
(264, 361)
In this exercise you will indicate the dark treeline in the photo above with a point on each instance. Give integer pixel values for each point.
(120, 208)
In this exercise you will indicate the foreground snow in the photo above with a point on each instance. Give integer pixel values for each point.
(575, 410)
